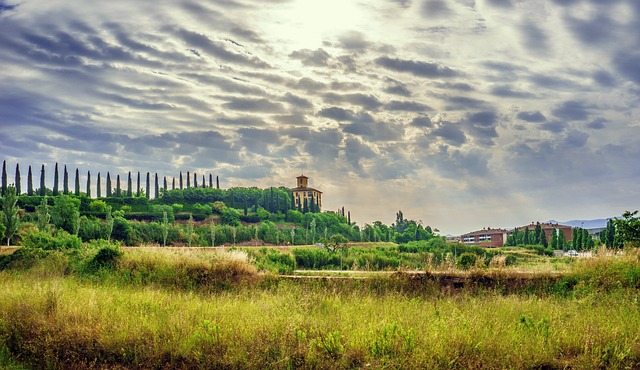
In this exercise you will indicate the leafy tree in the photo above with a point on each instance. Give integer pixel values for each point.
(561, 240)
(165, 228)
(43, 215)
(148, 193)
(42, 187)
(77, 192)
(65, 181)
(628, 229)
(29, 182)
(230, 216)
(165, 185)
(89, 184)
(109, 223)
(190, 230)
(574, 237)
(118, 193)
(9, 216)
(138, 185)
(467, 260)
(554, 239)
(65, 213)
(18, 180)
(610, 234)
(121, 228)
(4, 177)
(55, 180)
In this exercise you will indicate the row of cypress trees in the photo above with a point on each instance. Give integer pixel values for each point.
(110, 190)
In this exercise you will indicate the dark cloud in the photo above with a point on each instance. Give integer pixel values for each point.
(534, 117)
(336, 113)
(398, 89)
(318, 57)
(435, 8)
(482, 127)
(596, 30)
(598, 123)
(572, 110)
(257, 140)
(253, 105)
(460, 86)
(422, 122)
(451, 133)
(416, 68)
(355, 152)
(604, 79)
(297, 101)
(457, 164)
(506, 91)
(366, 101)
(554, 126)
(576, 139)
(464, 102)
(308, 84)
(483, 118)
(6, 8)
(374, 131)
(534, 38)
(554, 82)
(354, 40)
(628, 65)
(407, 106)
(501, 3)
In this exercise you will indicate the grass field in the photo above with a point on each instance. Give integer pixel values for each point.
(155, 309)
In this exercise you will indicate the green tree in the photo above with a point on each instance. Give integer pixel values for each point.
(181, 180)
(43, 215)
(148, 193)
(65, 181)
(55, 181)
(118, 193)
(65, 213)
(129, 185)
(4, 178)
(610, 234)
(628, 229)
(77, 187)
(89, 184)
(108, 184)
(165, 228)
(98, 190)
(157, 188)
(109, 223)
(18, 180)
(138, 185)
(190, 230)
(42, 187)
(10, 218)
(554, 239)
(574, 237)
(29, 182)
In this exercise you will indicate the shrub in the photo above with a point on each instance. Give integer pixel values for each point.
(23, 258)
(230, 216)
(466, 260)
(106, 257)
(58, 240)
(121, 229)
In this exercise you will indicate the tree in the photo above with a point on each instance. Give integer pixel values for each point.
(109, 222)
(65, 181)
(157, 192)
(536, 234)
(10, 218)
(574, 237)
(190, 230)
(165, 184)
(628, 229)
(336, 243)
(29, 182)
(138, 185)
(195, 180)
(561, 240)
(610, 234)
(4, 178)
(129, 185)
(77, 192)
(148, 193)
(108, 184)
(554, 239)
(188, 180)
(18, 180)
(55, 180)
(98, 190)
(65, 213)
(89, 184)
(118, 186)
(217, 183)
(180, 180)
(173, 183)
(165, 228)
(204, 183)
(42, 187)
(210, 180)
(43, 215)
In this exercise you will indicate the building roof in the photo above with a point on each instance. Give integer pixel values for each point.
(544, 226)
(487, 231)
(303, 188)
(302, 176)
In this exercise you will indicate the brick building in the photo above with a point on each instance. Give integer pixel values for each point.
(548, 230)
(303, 191)
(488, 237)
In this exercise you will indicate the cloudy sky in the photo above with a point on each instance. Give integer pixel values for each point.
(463, 114)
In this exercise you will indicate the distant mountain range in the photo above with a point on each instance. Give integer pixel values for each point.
(585, 224)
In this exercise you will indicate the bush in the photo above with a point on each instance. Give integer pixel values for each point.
(466, 260)
(121, 229)
(58, 240)
(230, 216)
(23, 258)
(106, 257)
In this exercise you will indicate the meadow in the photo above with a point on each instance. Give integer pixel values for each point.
(189, 309)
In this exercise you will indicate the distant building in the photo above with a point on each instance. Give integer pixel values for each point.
(548, 229)
(303, 191)
(491, 238)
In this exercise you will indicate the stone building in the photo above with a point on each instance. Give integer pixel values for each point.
(303, 191)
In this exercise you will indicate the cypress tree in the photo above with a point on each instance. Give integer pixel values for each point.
(204, 183)
(42, 187)
(349, 217)
(210, 180)
(108, 184)
(4, 177)
(165, 184)
(148, 186)
(574, 237)
(98, 190)
(554, 239)
(217, 183)
(195, 180)
(118, 186)
(188, 180)
(138, 185)
(89, 184)
(29, 182)
(129, 189)
(77, 182)
(180, 180)
(173, 184)
(157, 192)
(65, 181)
(537, 232)
(18, 180)
(55, 180)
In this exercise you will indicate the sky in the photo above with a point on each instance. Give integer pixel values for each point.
(463, 114)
